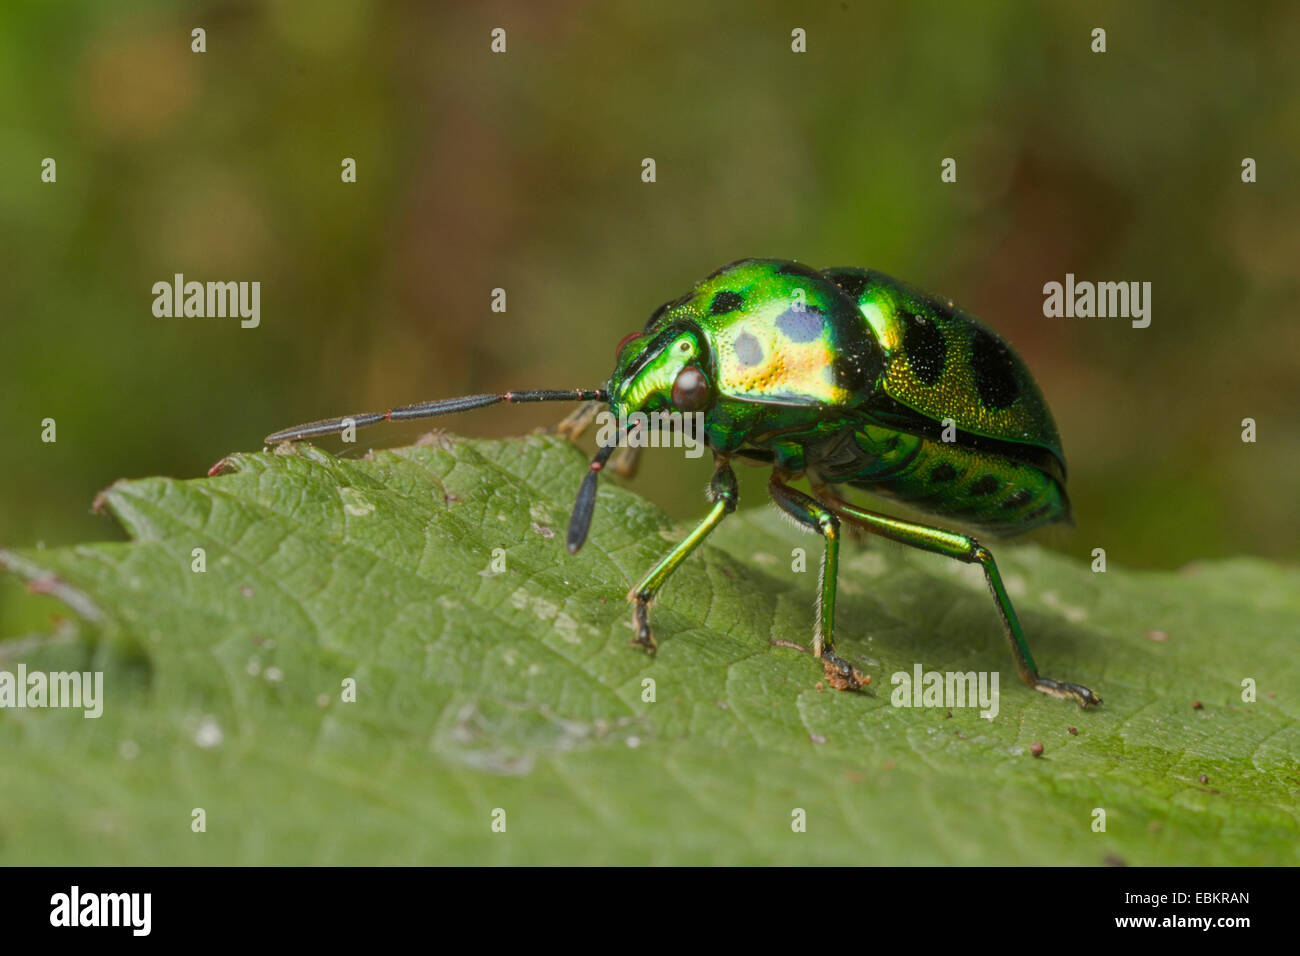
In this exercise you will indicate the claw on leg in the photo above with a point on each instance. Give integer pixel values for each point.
(641, 623)
(840, 674)
(1067, 691)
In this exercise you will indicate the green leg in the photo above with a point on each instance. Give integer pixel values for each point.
(812, 514)
(724, 493)
(967, 549)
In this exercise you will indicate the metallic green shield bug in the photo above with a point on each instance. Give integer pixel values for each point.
(844, 377)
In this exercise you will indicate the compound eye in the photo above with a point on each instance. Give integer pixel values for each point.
(627, 338)
(690, 390)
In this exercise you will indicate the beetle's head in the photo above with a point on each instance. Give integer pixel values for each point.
(668, 370)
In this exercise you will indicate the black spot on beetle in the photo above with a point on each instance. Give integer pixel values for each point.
(748, 351)
(845, 372)
(852, 284)
(926, 348)
(725, 302)
(985, 485)
(1018, 500)
(798, 269)
(856, 369)
(995, 370)
(943, 472)
(800, 325)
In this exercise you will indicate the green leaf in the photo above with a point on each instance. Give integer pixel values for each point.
(517, 690)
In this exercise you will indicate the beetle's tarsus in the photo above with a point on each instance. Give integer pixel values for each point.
(1067, 691)
(641, 620)
(842, 675)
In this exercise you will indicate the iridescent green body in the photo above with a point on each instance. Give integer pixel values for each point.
(849, 376)
(844, 377)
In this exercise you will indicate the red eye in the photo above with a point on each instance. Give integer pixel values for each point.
(690, 390)
(627, 338)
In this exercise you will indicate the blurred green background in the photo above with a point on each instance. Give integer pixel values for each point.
(522, 171)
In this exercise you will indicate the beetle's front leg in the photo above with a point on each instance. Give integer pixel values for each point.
(723, 492)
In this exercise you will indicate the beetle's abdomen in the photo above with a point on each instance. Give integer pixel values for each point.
(943, 363)
(973, 487)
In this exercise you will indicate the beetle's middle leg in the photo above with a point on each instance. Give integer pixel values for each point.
(724, 493)
(812, 514)
(967, 549)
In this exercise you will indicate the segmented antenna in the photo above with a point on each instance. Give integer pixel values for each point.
(580, 520)
(448, 406)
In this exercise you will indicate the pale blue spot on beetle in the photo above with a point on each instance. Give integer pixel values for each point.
(800, 325)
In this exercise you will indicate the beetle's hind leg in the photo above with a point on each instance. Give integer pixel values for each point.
(811, 514)
(723, 492)
(967, 549)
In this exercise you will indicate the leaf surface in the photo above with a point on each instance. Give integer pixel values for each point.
(479, 690)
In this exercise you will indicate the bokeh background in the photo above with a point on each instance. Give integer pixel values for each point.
(522, 171)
